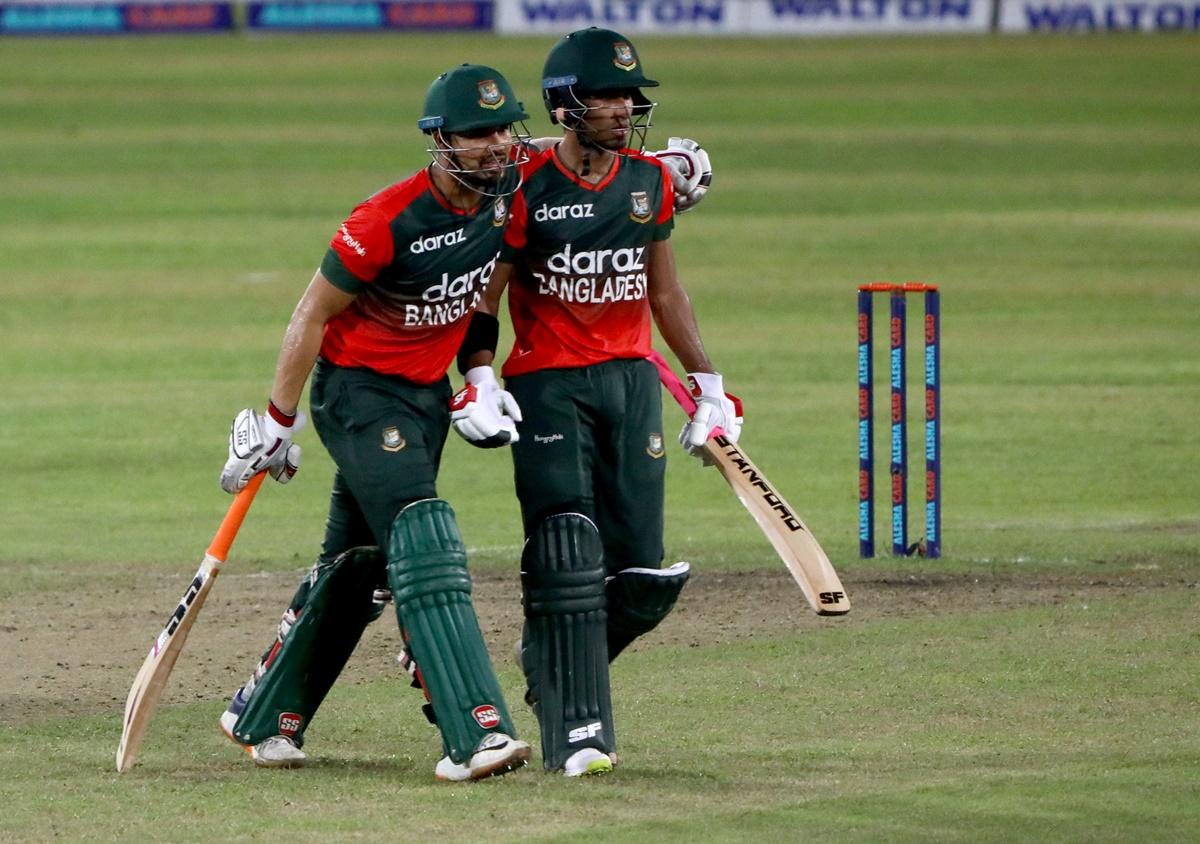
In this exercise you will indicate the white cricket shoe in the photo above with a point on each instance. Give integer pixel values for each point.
(277, 752)
(587, 762)
(496, 754)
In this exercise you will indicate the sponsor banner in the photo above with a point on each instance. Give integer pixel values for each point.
(859, 17)
(401, 14)
(629, 17)
(746, 17)
(113, 18)
(1097, 16)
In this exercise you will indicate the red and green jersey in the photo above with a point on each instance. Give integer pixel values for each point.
(418, 268)
(578, 295)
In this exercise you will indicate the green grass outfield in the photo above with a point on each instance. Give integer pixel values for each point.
(163, 202)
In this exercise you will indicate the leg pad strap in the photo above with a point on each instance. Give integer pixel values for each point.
(638, 600)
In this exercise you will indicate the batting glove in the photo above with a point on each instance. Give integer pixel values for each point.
(261, 443)
(715, 408)
(482, 413)
(690, 169)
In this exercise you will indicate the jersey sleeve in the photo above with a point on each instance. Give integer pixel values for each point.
(665, 222)
(515, 233)
(359, 250)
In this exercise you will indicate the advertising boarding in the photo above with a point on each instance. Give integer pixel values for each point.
(863, 17)
(113, 18)
(1088, 16)
(746, 17)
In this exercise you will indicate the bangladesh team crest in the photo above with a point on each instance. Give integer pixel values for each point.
(640, 211)
(499, 212)
(624, 57)
(655, 446)
(490, 95)
(392, 440)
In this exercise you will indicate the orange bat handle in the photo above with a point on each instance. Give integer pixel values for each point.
(219, 549)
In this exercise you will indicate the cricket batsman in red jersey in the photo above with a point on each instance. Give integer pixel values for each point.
(377, 327)
(587, 263)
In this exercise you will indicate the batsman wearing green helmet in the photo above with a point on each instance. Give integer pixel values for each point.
(588, 262)
(379, 324)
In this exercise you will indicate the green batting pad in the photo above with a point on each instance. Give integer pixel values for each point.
(427, 570)
(564, 645)
(329, 624)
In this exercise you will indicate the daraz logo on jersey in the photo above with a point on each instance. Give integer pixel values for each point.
(450, 299)
(598, 261)
(437, 241)
(595, 276)
(579, 211)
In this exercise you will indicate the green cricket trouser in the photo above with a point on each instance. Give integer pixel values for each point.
(385, 434)
(592, 443)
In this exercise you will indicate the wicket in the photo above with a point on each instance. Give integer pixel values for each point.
(932, 544)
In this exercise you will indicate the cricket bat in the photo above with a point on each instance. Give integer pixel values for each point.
(150, 681)
(791, 538)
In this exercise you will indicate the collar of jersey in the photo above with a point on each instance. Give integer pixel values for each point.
(600, 185)
(445, 203)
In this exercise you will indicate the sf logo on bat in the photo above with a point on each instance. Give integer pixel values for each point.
(832, 597)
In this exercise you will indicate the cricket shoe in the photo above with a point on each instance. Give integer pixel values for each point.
(275, 752)
(588, 762)
(496, 754)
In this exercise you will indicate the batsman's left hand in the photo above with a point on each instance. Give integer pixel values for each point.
(482, 413)
(715, 408)
(691, 171)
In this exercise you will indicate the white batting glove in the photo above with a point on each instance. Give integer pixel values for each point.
(260, 443)
(691, 171)
(715, 408)
(485, 415)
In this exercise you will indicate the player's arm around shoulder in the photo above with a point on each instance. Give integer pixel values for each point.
(690, 171)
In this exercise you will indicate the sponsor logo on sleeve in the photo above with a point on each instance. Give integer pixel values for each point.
(349, 240)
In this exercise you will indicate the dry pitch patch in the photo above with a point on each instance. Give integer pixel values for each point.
(78, 655)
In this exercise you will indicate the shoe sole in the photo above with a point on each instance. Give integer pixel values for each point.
(512, 762)
(595, 768)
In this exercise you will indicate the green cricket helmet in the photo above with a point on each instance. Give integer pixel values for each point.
(593, 61)
(469, 97)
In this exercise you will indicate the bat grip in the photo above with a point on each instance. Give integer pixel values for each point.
(219, 549)
(675, 387)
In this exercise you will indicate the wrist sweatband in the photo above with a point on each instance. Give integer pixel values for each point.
(483, 333)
